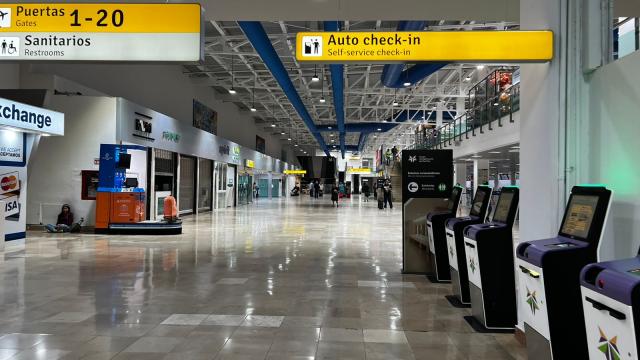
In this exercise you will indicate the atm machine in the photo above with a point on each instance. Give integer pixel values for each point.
(456, 248)
(437, 237)
(549, 277)
(611, 302)
(490, 265)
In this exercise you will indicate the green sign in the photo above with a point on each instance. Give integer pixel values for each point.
(171, 136)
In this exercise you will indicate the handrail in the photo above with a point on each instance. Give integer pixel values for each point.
(473, 121)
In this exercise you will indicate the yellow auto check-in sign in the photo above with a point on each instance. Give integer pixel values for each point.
(450, 46)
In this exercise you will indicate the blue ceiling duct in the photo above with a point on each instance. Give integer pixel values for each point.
(337, 86)
(393, 75)
(361, 127)
(260, 41)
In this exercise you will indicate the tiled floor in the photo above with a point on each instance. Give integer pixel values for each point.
(281, 279)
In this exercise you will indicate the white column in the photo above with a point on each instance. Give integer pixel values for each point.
(460, 106)
(480, 172)
(439, 116)
(461, 174)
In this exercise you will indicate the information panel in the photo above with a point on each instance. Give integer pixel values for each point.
(101, 32)
(427, 173)
(450, 46)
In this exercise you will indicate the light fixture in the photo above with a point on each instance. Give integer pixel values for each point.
(476, 156)
(283, 133)
(406, 79)
(329, 127)
(495, 104)
(379, 129)
(322, 100)
(296, 145)
(45, 134)
(395, 103)
(232, 91)
(273, 125)
(468, 78)
(315, 77)
(494, 152)
(253, 96)
(480, 67)
(288, 139)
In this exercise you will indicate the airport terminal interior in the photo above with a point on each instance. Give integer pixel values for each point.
(320, 179)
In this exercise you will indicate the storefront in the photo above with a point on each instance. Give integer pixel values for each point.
(202, 170)
(21, 128)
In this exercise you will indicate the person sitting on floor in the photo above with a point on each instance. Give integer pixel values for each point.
(65, 221)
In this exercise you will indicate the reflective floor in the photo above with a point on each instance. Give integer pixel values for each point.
(281, 279)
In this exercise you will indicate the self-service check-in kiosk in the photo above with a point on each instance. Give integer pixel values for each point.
(456, 248)
(489, 261)
(438, 239)
(611, 302)
(549, 277)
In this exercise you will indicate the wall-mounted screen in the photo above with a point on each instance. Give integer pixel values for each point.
(579, 216)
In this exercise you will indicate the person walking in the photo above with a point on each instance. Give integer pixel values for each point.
(334, 196)
(394, 151)
(256, 190)
(366, 192)
(316, 189)
(388, 195)
(380, 197)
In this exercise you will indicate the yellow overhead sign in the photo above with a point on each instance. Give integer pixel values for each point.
(249, 163)
(102, 18)
(359, 170)
(295, 172)
(450, 46)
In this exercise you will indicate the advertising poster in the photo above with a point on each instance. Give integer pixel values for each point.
(13, 193)
(261, 145)
(13, 182)
(205, 118)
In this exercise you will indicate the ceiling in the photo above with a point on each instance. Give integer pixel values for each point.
(501, 159)
(232, 62)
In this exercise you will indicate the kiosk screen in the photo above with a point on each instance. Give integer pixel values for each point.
(454, 196)
(477, 203)
(124, 161)
(579, 216)
(502, 209)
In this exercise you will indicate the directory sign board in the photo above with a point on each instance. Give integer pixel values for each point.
(30, 118)
(101, 32)
(427, 174)
(407, 46)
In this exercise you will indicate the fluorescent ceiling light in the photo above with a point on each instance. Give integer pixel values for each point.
(315, 78)
(322, 100)
(480, 67)
(379, 129)
(494, 152)
(476, 156)
(273, 125)
(253, 109)
(406, 83)
(232, 91)
(395, 103)
(289, 139)
(282, 133)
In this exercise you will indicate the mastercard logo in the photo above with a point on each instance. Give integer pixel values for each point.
(8, 183)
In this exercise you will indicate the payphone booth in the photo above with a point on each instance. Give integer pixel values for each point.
(611, 302)
(438, 239)
(456, 248)
(549, 277)
(490, 264)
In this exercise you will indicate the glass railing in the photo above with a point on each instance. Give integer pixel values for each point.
(494, 111)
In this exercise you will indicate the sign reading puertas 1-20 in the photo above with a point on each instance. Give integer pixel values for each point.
(101, 32)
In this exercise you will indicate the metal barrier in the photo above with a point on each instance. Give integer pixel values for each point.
(478, 119)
